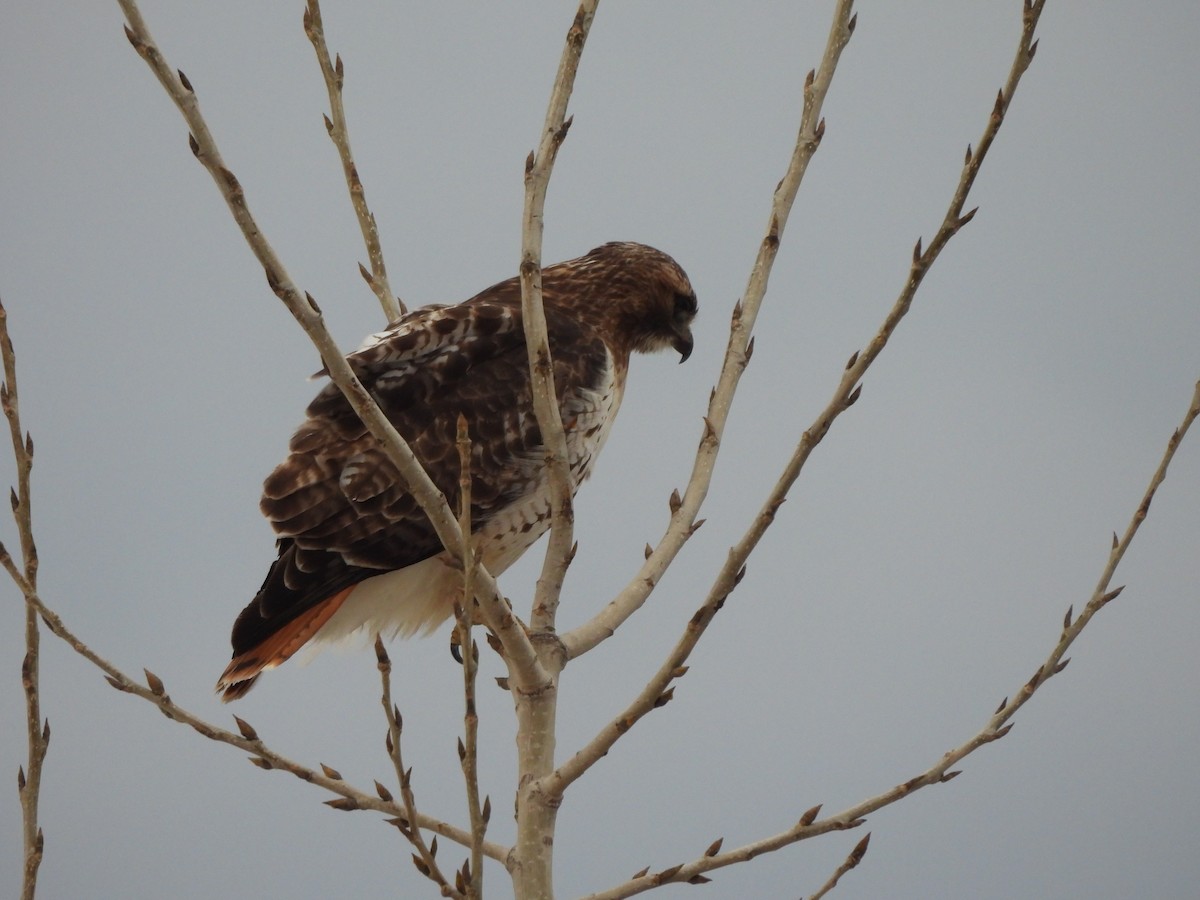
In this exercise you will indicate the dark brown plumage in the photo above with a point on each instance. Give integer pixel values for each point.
(355, 549)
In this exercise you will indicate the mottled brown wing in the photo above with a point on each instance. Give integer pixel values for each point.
(341, 509)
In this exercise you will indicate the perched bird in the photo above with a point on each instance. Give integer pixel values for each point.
(355, 549)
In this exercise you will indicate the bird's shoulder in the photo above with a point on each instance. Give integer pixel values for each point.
(464, 353)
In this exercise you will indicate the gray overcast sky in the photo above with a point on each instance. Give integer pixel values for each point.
(918, 574)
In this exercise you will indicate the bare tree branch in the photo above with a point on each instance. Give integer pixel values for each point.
(685, 509)
(335, 124)
(853, 859)
(999, 723)
(538, 168)
(22, 445)
(657, 690)
(37, 730)
(942, 771)
(425, 857)
(532, 869)
(688, 873)
(535, 659)
(849, 387)
(525, 669)
(471, 876)
(247, 739)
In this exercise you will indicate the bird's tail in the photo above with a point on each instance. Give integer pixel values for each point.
(243, 670)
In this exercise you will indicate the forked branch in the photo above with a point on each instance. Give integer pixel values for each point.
(525, 669)
(845, 395)
(942, 771)
(246, 739)
(686, 508)
(683, 520)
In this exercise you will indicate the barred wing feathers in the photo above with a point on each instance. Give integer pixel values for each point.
(355, 549)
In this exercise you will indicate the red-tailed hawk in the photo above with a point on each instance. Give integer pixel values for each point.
(355, 549)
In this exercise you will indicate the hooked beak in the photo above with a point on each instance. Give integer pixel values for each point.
(682, 341)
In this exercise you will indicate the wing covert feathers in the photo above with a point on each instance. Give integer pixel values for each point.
(344, 515)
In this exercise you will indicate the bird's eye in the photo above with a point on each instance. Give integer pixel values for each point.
(685, 304)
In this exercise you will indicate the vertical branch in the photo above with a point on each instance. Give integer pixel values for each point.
(737, 353)
(538, 167)
(533, 856)
(471, 878)
(22, 444)
(335, 125)
(29, 781)
(425, 857)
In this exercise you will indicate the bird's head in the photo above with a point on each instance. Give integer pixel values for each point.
(642, 294)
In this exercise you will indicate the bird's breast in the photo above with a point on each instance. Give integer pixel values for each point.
(588, 415)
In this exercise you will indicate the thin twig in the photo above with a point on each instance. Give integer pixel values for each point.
(849, 386)
(525, 669)
(29, 778)
(247, 739)
(999, 723)
(424, 859)
(657, 691)
(853, 859)
(1102, 594)
(335, 125)
(685, 509)
(942, 771)
(468, 750)
(22, 444)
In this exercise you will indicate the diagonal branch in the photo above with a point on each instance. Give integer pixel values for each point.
(852, 860)
(1102, 593)
(538, 167)
(849, 386)
(246, 740)
(335, 125)
(685, 509)
(683, 520)
(37, 730)
(526, 670)
(658, 690)
(997, 726)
